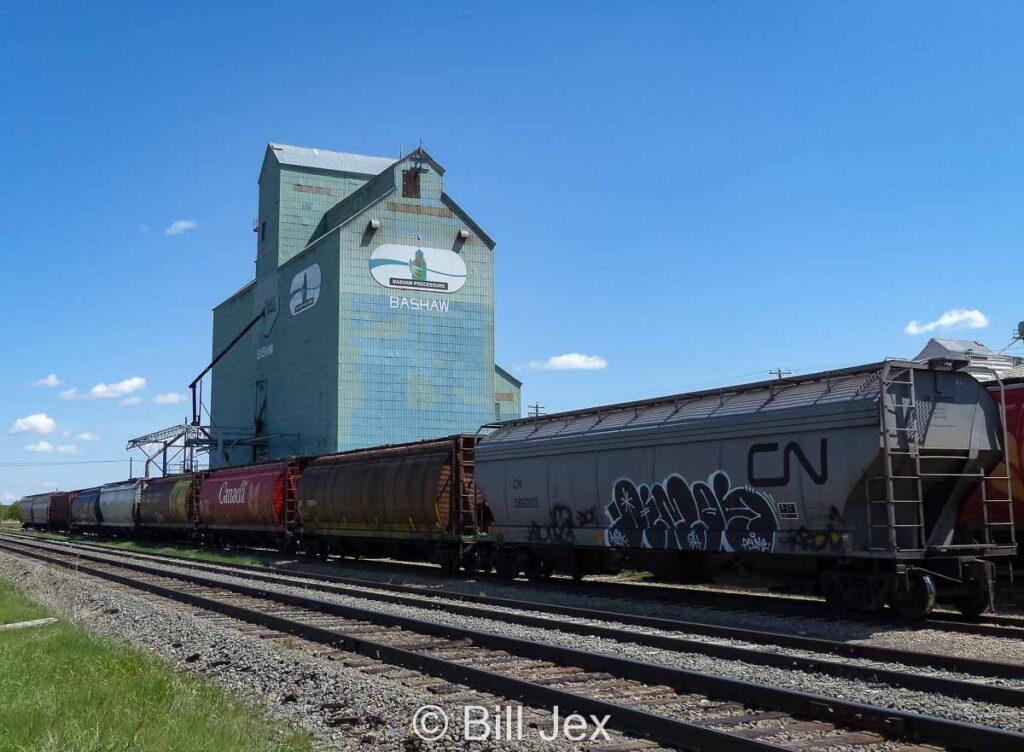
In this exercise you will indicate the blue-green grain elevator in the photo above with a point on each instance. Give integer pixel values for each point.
(377, 298)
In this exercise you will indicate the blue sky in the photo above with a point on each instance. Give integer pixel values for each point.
(694, 193)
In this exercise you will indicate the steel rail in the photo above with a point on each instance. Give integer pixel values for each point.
(960, 688)
(342, 585)
(887, 721)
(994, 625)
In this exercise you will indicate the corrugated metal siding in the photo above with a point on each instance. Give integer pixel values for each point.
(232, 383)
(407, 374)
(357, 368)
(304, 199)
(507, 397)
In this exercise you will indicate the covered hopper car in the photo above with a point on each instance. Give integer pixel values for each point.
(857, 478)
(117, 507)
(254, 504)
(857, 475)
(85, 511)
(987, 508)
(48, 511)
(167, 507)
(414, 500)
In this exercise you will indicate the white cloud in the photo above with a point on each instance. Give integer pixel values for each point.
(181, 225)
(569, 361)
(107, 391)
(48, 484)
(120, 389)
(46, 446)
(957, 318)
(130, 401)
(40, 423)
(171, 398)
(7, 497)
(86, 436)
(49, 381)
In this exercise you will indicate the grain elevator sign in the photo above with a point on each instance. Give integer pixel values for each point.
(305, 290)
(417, 269)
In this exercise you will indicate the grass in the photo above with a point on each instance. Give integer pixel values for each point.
(16, 607)
(65, 689)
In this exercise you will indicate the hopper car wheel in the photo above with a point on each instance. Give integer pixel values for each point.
(847, 591)
(975, 604)
(537, 569)
(507, 565)
(917, 601)
(449, 562)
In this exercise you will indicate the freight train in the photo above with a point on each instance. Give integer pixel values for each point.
(857, 477)
(1007, 481)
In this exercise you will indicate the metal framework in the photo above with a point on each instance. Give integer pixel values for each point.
(174, 448)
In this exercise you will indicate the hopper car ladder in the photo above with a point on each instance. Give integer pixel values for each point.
(465, 487)
(291, 496)
(1000, 531)
(902, 483)
(902, 488)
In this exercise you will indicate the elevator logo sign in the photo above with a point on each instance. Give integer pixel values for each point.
(305, 289)
(412, 267)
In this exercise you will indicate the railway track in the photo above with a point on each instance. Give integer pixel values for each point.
(693, 710)
(989, 625)
(669, 634)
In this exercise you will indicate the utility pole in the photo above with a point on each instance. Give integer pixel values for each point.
(536, 410)
(780, 372)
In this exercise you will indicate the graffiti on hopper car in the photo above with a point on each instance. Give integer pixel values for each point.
(559, 529)
(677, 515)
(804, 538)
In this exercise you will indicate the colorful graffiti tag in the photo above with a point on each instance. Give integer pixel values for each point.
(676, 515)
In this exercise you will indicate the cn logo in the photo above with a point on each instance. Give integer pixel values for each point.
(819, 476)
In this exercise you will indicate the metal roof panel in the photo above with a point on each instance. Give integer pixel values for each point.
(337, 161)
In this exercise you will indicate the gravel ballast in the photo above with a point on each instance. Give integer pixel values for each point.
(291, 682)
(875, 694)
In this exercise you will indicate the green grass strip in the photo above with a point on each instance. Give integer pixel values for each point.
(63, 688)
(16, 607)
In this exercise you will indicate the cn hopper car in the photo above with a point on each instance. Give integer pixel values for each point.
(857, 478)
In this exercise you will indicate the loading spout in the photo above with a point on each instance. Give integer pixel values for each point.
(212, 363)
